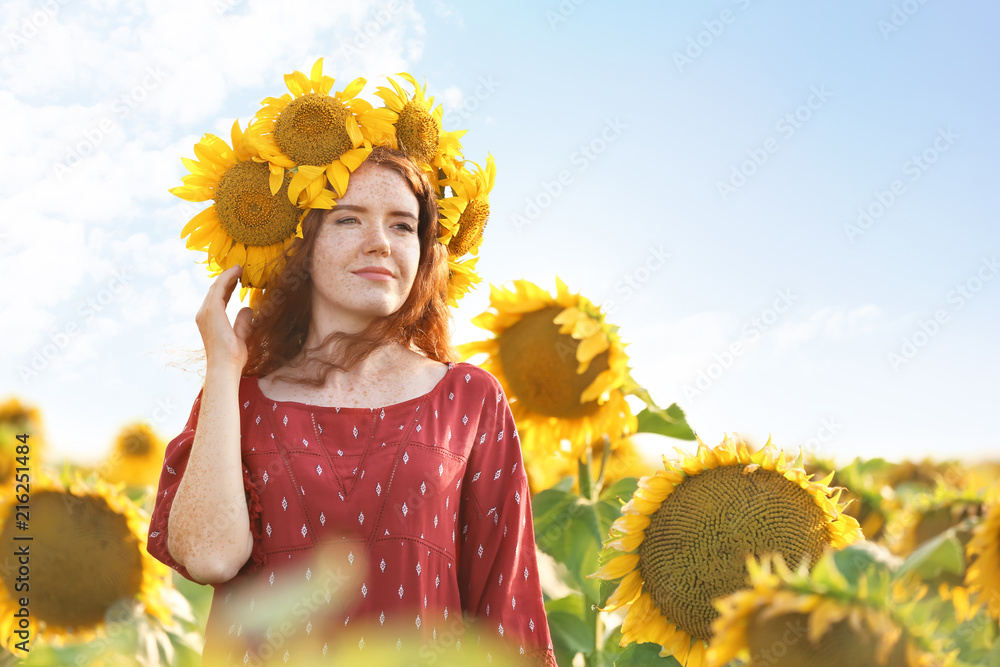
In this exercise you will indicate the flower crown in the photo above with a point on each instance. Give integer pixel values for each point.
(297, 154)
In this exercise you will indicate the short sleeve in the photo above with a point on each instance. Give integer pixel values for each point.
(497, 571)
(175, 461)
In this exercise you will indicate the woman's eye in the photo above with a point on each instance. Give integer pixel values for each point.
(405, 227)
(347, 220)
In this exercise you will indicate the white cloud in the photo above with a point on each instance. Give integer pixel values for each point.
(452, 98)
(830, 323)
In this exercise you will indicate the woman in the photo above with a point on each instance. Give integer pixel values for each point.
(341, 490)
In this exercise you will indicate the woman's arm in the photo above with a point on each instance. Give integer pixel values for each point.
(209, 525)
(497, 571)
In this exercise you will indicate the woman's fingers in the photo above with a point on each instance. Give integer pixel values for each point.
(227, 281)
(242, 324)
(221, 290)
(222, 342)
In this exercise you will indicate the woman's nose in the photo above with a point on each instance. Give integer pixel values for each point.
(376, 240)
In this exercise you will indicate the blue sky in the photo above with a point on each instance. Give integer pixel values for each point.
(698, 169)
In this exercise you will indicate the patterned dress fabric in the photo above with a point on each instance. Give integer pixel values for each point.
(405, 526)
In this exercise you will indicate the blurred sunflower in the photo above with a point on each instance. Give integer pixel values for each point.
(250, 222)
(87, 553)
(136, 458)
(926, 475)
(322, 138)
(561, 365)
(786, 619)
(962, 600)
(685, 535)
(930, 514)
(624, 460)
(983, 556)
(16, 418)
(417, 127)
(983, 476)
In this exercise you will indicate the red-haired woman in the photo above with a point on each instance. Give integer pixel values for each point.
(342, 482)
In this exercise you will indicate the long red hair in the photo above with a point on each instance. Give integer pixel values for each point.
(283, 311)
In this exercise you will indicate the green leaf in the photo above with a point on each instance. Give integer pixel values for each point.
(670, 422)
(605, 590)
(566, 528)
(609, 508)
(556, 514)
(826, 572)
(611, 650)
(942, 554)
(641, 655)
(623, 488)
(571, 604)
(571, 632)
(864, 558)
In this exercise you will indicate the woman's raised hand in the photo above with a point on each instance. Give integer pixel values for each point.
(225, 343)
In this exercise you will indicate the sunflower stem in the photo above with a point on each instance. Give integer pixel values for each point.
(605, 455)
(584, 465)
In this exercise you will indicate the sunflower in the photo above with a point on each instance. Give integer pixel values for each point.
(983, 555)
(417, 129)
(787, 619)
(87, 552)
(249, 223)
(930, 514)
(561, 365)
(16, 419)
(461, 277)
(914, 477)
(465, 214)
(137, 457)
(322, 138)
(685, 535)
(983, 476)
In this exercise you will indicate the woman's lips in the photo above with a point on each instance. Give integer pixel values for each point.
(373, 275)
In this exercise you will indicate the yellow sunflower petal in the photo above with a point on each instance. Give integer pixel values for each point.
(616, 567)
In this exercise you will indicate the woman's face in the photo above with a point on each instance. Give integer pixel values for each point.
(373, 226)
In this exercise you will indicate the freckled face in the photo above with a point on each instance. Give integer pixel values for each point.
(373, 226)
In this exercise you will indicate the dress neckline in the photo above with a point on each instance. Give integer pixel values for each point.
(310, 406)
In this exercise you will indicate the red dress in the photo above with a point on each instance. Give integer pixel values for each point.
(423, 511)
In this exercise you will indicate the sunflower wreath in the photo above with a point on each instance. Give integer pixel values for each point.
(297, 154)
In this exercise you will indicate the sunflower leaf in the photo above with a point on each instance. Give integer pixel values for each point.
(864, 558)
(571, 604)
(607, 589)
(941, 554)
(640, 655)
(570, 633)
(609, 508)
(623, 488)
(670, 422)
(567, 528)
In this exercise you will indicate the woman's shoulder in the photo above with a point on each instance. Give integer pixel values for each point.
(475, 378)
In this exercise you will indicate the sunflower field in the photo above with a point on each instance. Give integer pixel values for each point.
(722, 555)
